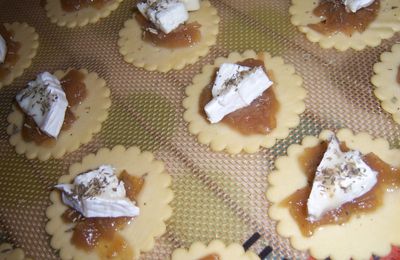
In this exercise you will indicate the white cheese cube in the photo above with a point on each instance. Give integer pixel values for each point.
(355, 5)
(3, 49)
(340, 178)
(191, 5)
(45, 101)
(98, 193)
(166, 15)
(235, 87)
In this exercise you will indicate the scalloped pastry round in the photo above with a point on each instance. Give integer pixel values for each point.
(383, 27)
(90, 114)
(288, 91)
(153, 201)
(29, 40)
(362, 236)
(8, 252)
(81, 17)
(150, 57)
(198, 250)
(387, 88)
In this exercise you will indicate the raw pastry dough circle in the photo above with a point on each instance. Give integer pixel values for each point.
(90, 114)
(362, 236)
(7, 252)
(150, 57)
(387, 88)
(198, 250)
(153, 201)
(288, 90)
(81, 17)
(29, 40)
(383, 27)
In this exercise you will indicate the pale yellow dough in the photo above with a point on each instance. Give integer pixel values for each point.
(29, 40)
(8, 252)
(150, 57)
(288, 91)
(81, 17)
(153, 201)
(90, 114)
(198, 250)
(383, 27)
(387, 88)
(362, 236)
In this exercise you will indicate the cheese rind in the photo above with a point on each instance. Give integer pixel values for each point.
(98, 193)
(340, 178)
(355, 5)
(235, 87)
(191, 5)
(3, 49)
(166, 15)
(44, 100)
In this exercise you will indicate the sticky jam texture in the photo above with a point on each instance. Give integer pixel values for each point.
(388, 180)
(12, 52)
(257, 118)
(75, 91)
(76, 5)
(337, 19)
(185, 35)
(101, 234)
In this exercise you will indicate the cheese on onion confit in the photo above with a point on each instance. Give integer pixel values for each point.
(98, 193)
(45, 101)
(341, 177)
(191, 5)
(235, 87)
(166, 15)
(355, 5)
(3, 49)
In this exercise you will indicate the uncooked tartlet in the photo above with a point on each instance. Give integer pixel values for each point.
(387, 82)
(90, 114)
(198, 250)
(81, 17)
(153, 201)
(288, 91)
(8, 252)
(360, 237)
(29, 40)
(150, 57)
(384, 26)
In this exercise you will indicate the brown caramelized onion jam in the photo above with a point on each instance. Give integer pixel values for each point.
(75, 91)
(12, 51)
(210, 257)
(338, 19)
(185, 35)
(257, 118)
(388, 179)
(76, 5)
(100, 234)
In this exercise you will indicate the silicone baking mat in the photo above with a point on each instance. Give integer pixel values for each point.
(216, 195)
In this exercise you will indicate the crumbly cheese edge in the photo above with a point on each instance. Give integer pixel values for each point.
(81, 17)
(153, 201)
(152, 58)
(12, 253)
(384, 79)
(197, 250)
(381, 223)
(289, 93)
(385, 25)
(90, 115)
(29, 40)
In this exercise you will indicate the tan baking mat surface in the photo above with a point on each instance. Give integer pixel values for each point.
(216, 195)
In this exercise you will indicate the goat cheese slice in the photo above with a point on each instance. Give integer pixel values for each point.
(166, 15)
(355, 5)
(191, 5)
(45, 101)
(340, 178)
(98, 193)
(235, 87)
(3, 49)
